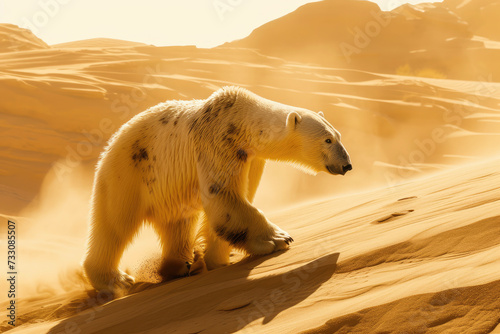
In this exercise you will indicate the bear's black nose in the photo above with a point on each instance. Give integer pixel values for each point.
(346, 168)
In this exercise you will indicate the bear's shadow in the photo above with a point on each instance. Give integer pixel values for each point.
(243, 303)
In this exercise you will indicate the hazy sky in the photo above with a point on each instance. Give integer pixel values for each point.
(204, 23)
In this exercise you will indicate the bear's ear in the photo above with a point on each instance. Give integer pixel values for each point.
(321, 114)
(292, 120)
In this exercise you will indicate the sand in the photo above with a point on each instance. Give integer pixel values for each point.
(406, 242)
(443, 39)
(432, 267)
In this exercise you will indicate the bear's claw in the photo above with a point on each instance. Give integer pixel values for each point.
(281, 237)
(278, 240)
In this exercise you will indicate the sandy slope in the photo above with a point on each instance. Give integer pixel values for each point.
(421, 256)
(13, 38)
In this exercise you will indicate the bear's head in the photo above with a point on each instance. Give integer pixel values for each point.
(317, 143)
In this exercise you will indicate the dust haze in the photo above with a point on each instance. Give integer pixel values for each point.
(411, 231)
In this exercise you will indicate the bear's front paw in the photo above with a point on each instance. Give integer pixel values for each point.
(278, 232)
(275, 241)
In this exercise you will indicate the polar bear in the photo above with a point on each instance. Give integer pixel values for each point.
(188, 165)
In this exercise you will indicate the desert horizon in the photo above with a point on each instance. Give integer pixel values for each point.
(405, 242)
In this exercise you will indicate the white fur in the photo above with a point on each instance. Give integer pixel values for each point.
(185, 161)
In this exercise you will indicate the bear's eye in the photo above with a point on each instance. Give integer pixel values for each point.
(329, 141)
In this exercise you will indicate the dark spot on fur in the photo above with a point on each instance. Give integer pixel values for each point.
(215, 112)
(227, 138)
(232, 129)
(208, 109)
(261, 131)
(228, 217)
(193, 124)
(230, 103)
(177, 120)
(242, 155)
(236, 237)
(220, 231)
(141, 154)
(214, 189)
(164, 120)
(154, 157)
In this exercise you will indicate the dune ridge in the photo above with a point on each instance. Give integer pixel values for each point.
(13, 38)
(433, 39)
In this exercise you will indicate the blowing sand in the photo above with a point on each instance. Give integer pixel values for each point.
(407, 242)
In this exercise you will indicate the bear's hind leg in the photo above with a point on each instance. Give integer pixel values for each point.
(177, 239)
(110, 233)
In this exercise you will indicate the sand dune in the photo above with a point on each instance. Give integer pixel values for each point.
(482, 15)
(432, 266)
(97, 43)
(436, 40)
(13, 38)
(407, 242)
(65, 113)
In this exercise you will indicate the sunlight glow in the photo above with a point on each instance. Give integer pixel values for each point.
(204, 23)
